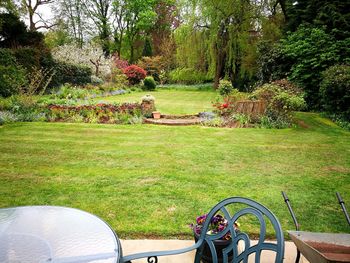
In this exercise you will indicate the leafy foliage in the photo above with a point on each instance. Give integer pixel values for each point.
(135, 74)
(302, 56)
(225, 87)
(335, 90)
(12, 76)
(70, 73)
(280, 104)
(149, 83)
(153, 65)
(188, 76)
(100, 113)
(332, 15)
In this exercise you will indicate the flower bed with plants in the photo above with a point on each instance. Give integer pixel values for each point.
(126, 113)
(268, 106)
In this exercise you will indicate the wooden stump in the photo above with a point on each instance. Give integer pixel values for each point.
(252, 108)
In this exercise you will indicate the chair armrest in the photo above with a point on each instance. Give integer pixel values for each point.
(152, 254)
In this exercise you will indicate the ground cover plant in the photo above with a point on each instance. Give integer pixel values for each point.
(152, 181)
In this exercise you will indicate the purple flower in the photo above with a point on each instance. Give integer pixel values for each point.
(201, 219)
(218, 223)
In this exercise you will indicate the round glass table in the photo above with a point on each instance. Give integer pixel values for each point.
(55, 234)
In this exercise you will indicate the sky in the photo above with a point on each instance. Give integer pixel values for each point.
(45, 11)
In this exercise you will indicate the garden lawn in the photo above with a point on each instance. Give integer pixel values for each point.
(171, 101)
(152, 181)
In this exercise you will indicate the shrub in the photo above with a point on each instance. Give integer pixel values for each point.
(120, 63)
(149, 83)
(288, 86)
(188, 76)
(90, 55)
(28, 57)
(12, 78)
(225, 87)
(6, 57)
(119, 79)
(96, 80)
(280, 103)
(335, 90)
(68, 91)
(311, 51)
(7, 117)
(69, 73)
(135, 74)
(154, 66)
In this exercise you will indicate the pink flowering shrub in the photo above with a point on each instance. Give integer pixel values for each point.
(121, 63)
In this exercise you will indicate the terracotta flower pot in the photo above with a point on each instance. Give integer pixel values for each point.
(156, 115)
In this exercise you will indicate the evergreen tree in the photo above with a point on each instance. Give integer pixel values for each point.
(147, 49)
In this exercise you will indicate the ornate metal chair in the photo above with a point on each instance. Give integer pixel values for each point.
(231, 253)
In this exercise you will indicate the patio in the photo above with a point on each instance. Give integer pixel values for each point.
(137, 246)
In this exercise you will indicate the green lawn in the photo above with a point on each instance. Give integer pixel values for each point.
(152, 181)
(172, 101)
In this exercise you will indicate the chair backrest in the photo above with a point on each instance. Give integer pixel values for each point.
(230, 253)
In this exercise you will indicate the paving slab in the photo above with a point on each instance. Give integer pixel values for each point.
(138, 246)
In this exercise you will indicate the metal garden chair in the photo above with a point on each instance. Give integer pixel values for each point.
(231, 253)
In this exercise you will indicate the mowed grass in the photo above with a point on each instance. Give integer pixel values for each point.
(152, 181)
(171, 101)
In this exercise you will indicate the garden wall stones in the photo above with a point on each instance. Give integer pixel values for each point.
(147, 106)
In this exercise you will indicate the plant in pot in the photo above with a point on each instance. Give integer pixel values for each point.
(218, 223)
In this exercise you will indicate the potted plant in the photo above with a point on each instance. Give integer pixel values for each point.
(218, 223)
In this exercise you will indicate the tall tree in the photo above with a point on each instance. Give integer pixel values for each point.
(168, 19)
(71, 14)
(334, 15)
(8, 6)
(119, 24)
(31, 9)
(99, 11)
(229, 23)
(137, 17)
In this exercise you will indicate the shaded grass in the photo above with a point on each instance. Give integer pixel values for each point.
(171, 101)
(152, 181)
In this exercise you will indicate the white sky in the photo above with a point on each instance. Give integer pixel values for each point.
(45, 11)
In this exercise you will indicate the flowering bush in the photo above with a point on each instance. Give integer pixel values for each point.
(91, 55)
(135, 74)
(120, 63)
(226, 107)
(218, 223)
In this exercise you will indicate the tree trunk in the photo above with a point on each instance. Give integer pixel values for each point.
(221, 54)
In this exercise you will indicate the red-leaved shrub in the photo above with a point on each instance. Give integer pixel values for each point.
(135, 74)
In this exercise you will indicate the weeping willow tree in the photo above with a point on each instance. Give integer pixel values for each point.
(224, 33)
(192, 48)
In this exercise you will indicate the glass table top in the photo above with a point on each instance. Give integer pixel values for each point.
(55, 234)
